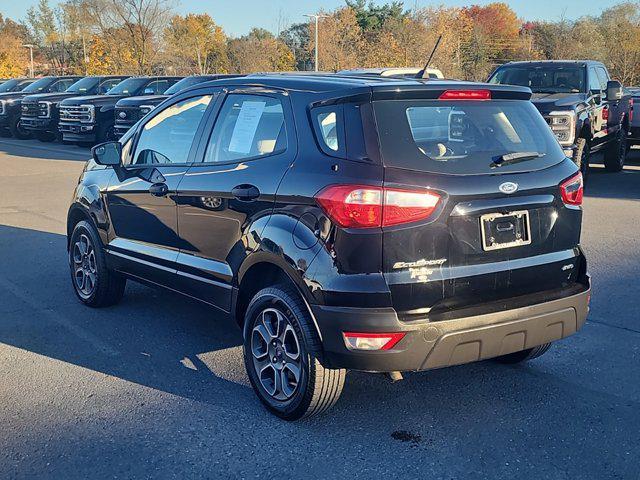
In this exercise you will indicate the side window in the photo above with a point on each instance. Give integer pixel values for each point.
(594, 82)
(248, 126)
(328, 123)
(167, 137)
(603, 77)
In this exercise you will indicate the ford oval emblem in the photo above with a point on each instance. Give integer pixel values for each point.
(122, 114)
(508, 187)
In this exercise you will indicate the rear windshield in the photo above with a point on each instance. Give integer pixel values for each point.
(464, 137)
(555, 78)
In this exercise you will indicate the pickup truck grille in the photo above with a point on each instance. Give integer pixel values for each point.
(75, 113)
(30, 109)
(127, 115)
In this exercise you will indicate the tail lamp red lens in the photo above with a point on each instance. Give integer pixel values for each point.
(371, 341)
(605, 113)
(363, 206)
(572, 190)
(466, 95)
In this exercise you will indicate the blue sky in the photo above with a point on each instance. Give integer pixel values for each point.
(238, 16)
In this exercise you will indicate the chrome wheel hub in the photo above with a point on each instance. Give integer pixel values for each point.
(275, 351)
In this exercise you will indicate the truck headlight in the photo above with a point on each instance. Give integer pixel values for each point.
(44, 109)
(144, 109)
(91, 113)
(563, 125)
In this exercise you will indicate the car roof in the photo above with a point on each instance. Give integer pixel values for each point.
(565, 62)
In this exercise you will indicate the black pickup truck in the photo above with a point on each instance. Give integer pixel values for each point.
(131, 109)
(586, 110)
(90, 120)
(11, 102)
(40, 112)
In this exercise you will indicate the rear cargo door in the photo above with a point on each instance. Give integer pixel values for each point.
(500, 228)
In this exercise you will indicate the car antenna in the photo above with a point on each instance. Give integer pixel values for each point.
(423, 73)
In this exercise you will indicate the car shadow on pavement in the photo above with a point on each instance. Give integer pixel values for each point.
(621, 185)
(43, 150)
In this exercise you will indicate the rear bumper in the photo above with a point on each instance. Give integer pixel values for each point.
(428, 345)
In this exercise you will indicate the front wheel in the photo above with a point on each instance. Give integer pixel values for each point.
(281, 350)
(17, 131)
(616, 153)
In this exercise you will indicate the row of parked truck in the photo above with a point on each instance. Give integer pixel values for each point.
(587, 111)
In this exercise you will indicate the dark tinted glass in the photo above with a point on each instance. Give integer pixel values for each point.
(9, 85)
(130, 86)
(87, 84)
(463, 137)
(39, 85)
(543, 79)
(186, 83)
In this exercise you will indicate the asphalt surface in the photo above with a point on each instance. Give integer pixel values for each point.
(155, 387)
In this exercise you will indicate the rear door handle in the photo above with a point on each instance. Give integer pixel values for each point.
(159, 189)
(245, 193)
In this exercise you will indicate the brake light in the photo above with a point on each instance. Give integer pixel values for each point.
(572, 190)
(371, 341)
(605, 113)
(466, 95)
(363, 206)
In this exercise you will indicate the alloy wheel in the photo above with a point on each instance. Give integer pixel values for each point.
(276, 354)
(85, 272)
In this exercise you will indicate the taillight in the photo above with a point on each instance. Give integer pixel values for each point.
(371, 341)
(605, 113)
(362, 206)
(572, 190)
(466, 95)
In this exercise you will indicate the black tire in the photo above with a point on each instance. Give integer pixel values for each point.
(106, 133)
(616, 153)
(17, 131)
(317, 388)
(107, 286)
(46, 137)
(524, 355)
(581, 156)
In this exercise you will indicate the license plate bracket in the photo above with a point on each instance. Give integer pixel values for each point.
(505, 230)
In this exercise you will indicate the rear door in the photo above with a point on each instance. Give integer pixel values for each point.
(599, 107)
(231, 185)
(141, 197)
(496, 232)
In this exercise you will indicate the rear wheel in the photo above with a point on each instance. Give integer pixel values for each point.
(95, 285)
(281, 351)
(17, 131)
(616, 153)
(524, 355)
(582, 156)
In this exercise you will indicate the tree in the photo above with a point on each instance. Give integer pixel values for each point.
(259, 51)
(195, 44)
(341, 43)
(296, 37)
(13, 56)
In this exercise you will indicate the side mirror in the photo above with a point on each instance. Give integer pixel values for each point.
(109, 153)
(614, 90)
(148, 91)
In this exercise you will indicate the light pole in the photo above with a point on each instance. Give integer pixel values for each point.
(316, 17)
(30, 47)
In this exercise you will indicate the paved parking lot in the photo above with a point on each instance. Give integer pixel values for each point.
(155, 387)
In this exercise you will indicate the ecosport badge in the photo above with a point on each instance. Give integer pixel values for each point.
(508, 187)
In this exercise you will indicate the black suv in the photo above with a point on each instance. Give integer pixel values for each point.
(374, 224)
(11, 103)
(40, 111)
(131, 109)
(89, 120)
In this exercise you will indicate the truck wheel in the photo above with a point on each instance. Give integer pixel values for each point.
(524, 355)
(46, 136)
(581, 156)
(95, 285)
(17, 131)
(616, 153)
(281, 350)
(106, 133)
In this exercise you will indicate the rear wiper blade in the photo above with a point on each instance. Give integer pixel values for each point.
(515, 157)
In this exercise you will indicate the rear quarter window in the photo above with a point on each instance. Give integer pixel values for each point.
(463, 137)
